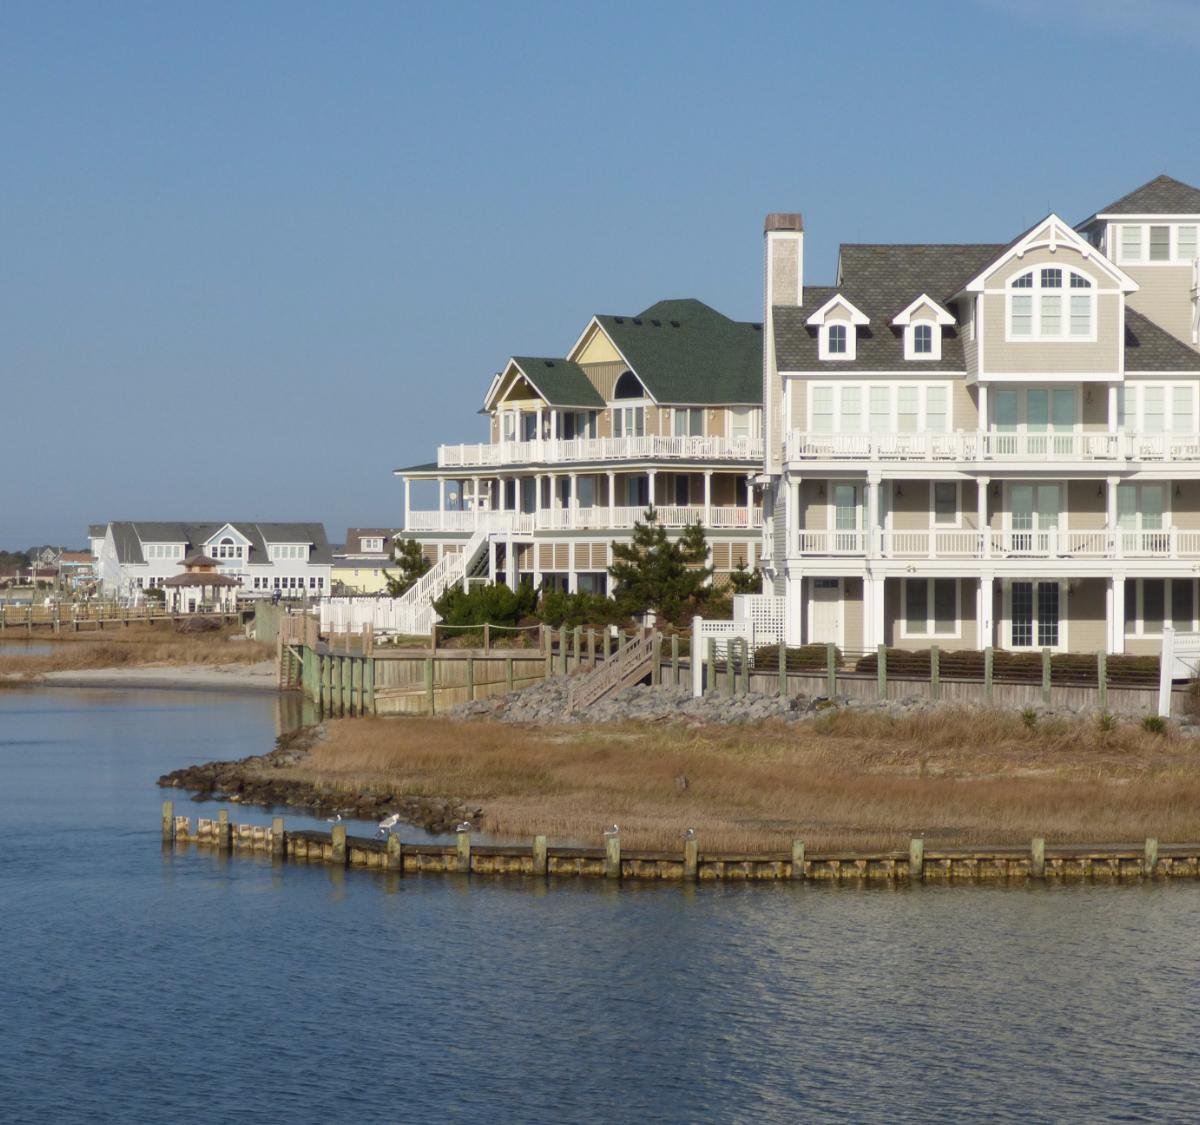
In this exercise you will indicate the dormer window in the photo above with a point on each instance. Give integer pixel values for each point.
(1039, 309)
(835, 343)
(370, 544)
(923, 339)
(837, 323)
(923, 322)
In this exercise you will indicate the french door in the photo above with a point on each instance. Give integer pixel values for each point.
(1034, 515)
(846, 518)
(1034, 614)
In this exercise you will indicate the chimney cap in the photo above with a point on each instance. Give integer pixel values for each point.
(783, 220)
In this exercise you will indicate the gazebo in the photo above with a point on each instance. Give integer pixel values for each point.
(200, 587)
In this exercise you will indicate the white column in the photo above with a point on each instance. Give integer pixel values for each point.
(982, 484)
(789, 495)
(537, 499)
(872, 514)
(441, 502)
(708, 497)
(985, 627)
(407, 499)
(983, 406)
(572, 573)
(492, 559)
(612, 497)
(475, 505)
(554, 417)
(510, 563)
(1113, 391)
(573, 502)
(1113, 484)
(794, 609)
(1115, 605)
(873, 613)
(652, 474)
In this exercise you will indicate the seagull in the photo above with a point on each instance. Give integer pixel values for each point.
(612, 830)
(334, 819)
(388, 823)
(689, 834)
(463, 826)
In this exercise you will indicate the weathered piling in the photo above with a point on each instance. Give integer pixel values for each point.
(338, 839)
(1037, 857)
(691, 859)
(916, 858)
(395, 853)
(278, 838)
(612, 856)
(539, 855)
(168, 822)
(1150, 853)
(797, 859)
(463, 848)
(224, 831)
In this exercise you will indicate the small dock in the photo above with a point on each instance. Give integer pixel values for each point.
(983, 864)
(79, 617)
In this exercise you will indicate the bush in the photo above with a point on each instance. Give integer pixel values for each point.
(558, 608)
(807, 658)
(1106, 721)
(1154, 724)
(1029, 717)
(492, 604)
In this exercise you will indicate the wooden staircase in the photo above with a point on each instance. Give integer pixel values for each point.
(630, 665)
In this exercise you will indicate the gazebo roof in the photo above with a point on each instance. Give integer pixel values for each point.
(200, 580)
(199, 558)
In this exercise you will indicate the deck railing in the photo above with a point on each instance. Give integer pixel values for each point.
(559, 451)
(993, 445)
(599, 517)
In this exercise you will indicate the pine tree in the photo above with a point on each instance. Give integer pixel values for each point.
(412, 565)
(653, 573)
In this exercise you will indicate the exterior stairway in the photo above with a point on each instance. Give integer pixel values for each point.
(629, 666)
(415, 608)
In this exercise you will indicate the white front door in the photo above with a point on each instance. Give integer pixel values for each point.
(825, 622)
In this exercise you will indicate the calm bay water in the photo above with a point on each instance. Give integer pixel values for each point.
(139, 986)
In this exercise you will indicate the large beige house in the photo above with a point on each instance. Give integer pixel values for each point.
(663, 407)
(973, 445)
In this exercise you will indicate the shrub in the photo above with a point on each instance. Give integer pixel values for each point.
(558, 608)
(1106, 721)
(807, 658)
(491, 604)
(1029, 717)
(1154, 724)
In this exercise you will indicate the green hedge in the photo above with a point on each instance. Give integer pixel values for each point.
(808, 658)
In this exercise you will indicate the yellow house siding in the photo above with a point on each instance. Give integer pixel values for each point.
(1094, 406)
(1164, 296)
(1085, 509)
(604, 376)
(595, 347)
(1185, 508)
(1086, 622)
(965, 408)
(799, 395)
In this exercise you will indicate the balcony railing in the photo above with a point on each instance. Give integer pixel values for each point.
(939, 543)
(600, 518)
(582, 450)
(993, 445)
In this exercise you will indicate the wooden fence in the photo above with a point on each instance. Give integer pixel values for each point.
(75, 617)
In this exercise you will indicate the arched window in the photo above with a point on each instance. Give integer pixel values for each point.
(629, 386)
(837, 339)
(1051, 303)
(923, 339)
(227, 549)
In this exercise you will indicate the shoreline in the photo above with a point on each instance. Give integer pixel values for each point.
(232, 678)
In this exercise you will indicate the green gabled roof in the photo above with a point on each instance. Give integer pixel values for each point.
(559, 381)
(687, 353)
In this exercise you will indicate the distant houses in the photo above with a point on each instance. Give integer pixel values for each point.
(359, 566)
(262, 560)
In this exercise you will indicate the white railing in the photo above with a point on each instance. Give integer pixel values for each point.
(992, 445)
(649, 447)
(599, 517)
(1053, 543)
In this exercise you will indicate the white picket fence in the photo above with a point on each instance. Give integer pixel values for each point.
(758, 619)
(384, 615)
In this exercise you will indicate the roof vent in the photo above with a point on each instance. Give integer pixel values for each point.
(548, 362)
(637, 320)
(618, 320)
(656, 323)
(674, 324)
(756, 327)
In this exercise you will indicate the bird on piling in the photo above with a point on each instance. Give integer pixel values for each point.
(463, 826)
(688, 834)
(611, 830)
(336, 819)
(388, 823)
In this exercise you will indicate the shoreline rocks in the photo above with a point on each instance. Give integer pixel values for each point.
(248, 781)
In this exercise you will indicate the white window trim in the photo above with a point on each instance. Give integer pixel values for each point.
(823, 332)
(1035, 293)
(811, 604)
(864, 423)
(910, 341)
(1022, 391)
(958, 510)
(1144, 225)
(930, 636)
(1135, 388)
(1063, 489)
(753, 418)
(1064, 593)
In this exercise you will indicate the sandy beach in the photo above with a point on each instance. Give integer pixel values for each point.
(195, 677)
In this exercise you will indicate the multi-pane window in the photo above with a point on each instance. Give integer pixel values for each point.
(1181, 410)
(936, 415)
(1185, 243)
(1131, 244)
(629, 421)
(226, 549)
(741, 421)
(923, 339)
(907, 410)
(1160, 244)
(822, 410)
(1038, 309)
(1152, 410)
(854, 408)
(837, 339)
(1147, 408)
(881, 409)
(1152, 602)
(1034, 614)
(931, 607)
(851, 409)
(375, 544)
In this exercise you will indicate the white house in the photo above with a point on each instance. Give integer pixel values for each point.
(292, 559)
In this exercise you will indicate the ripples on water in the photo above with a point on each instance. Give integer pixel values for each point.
(144, 987)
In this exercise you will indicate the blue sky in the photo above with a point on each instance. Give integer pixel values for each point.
(257, 255)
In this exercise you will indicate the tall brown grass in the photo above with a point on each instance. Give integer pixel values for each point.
(849, 781)
(134, 646)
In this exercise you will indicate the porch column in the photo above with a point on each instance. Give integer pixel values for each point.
(491, 559)
(794, 609)
(441, 503)
(539, 425)
(982, 484)
(475, 483)
(573, 503)
(407, 500)
(612, 497)
(1115, 542)
(708, 497)
(1115, 608)
(791, 515)
(510, 563)
(984, 625)
(873, 515)
(749, 499)
(653, 475)
(537, 500)
(572, 573)
(554, 423)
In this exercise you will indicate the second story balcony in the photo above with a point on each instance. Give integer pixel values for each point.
(994, 446)
(599, 518)
(587, 450)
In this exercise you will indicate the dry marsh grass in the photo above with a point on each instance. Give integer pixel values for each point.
(135, 646)
(849, 781)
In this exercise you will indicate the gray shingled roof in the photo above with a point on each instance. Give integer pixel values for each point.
(687, 353)
(355, 536)
(129, 535)
(560, 382)
(882, 280)
(1161, 196)
(1151, 348)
